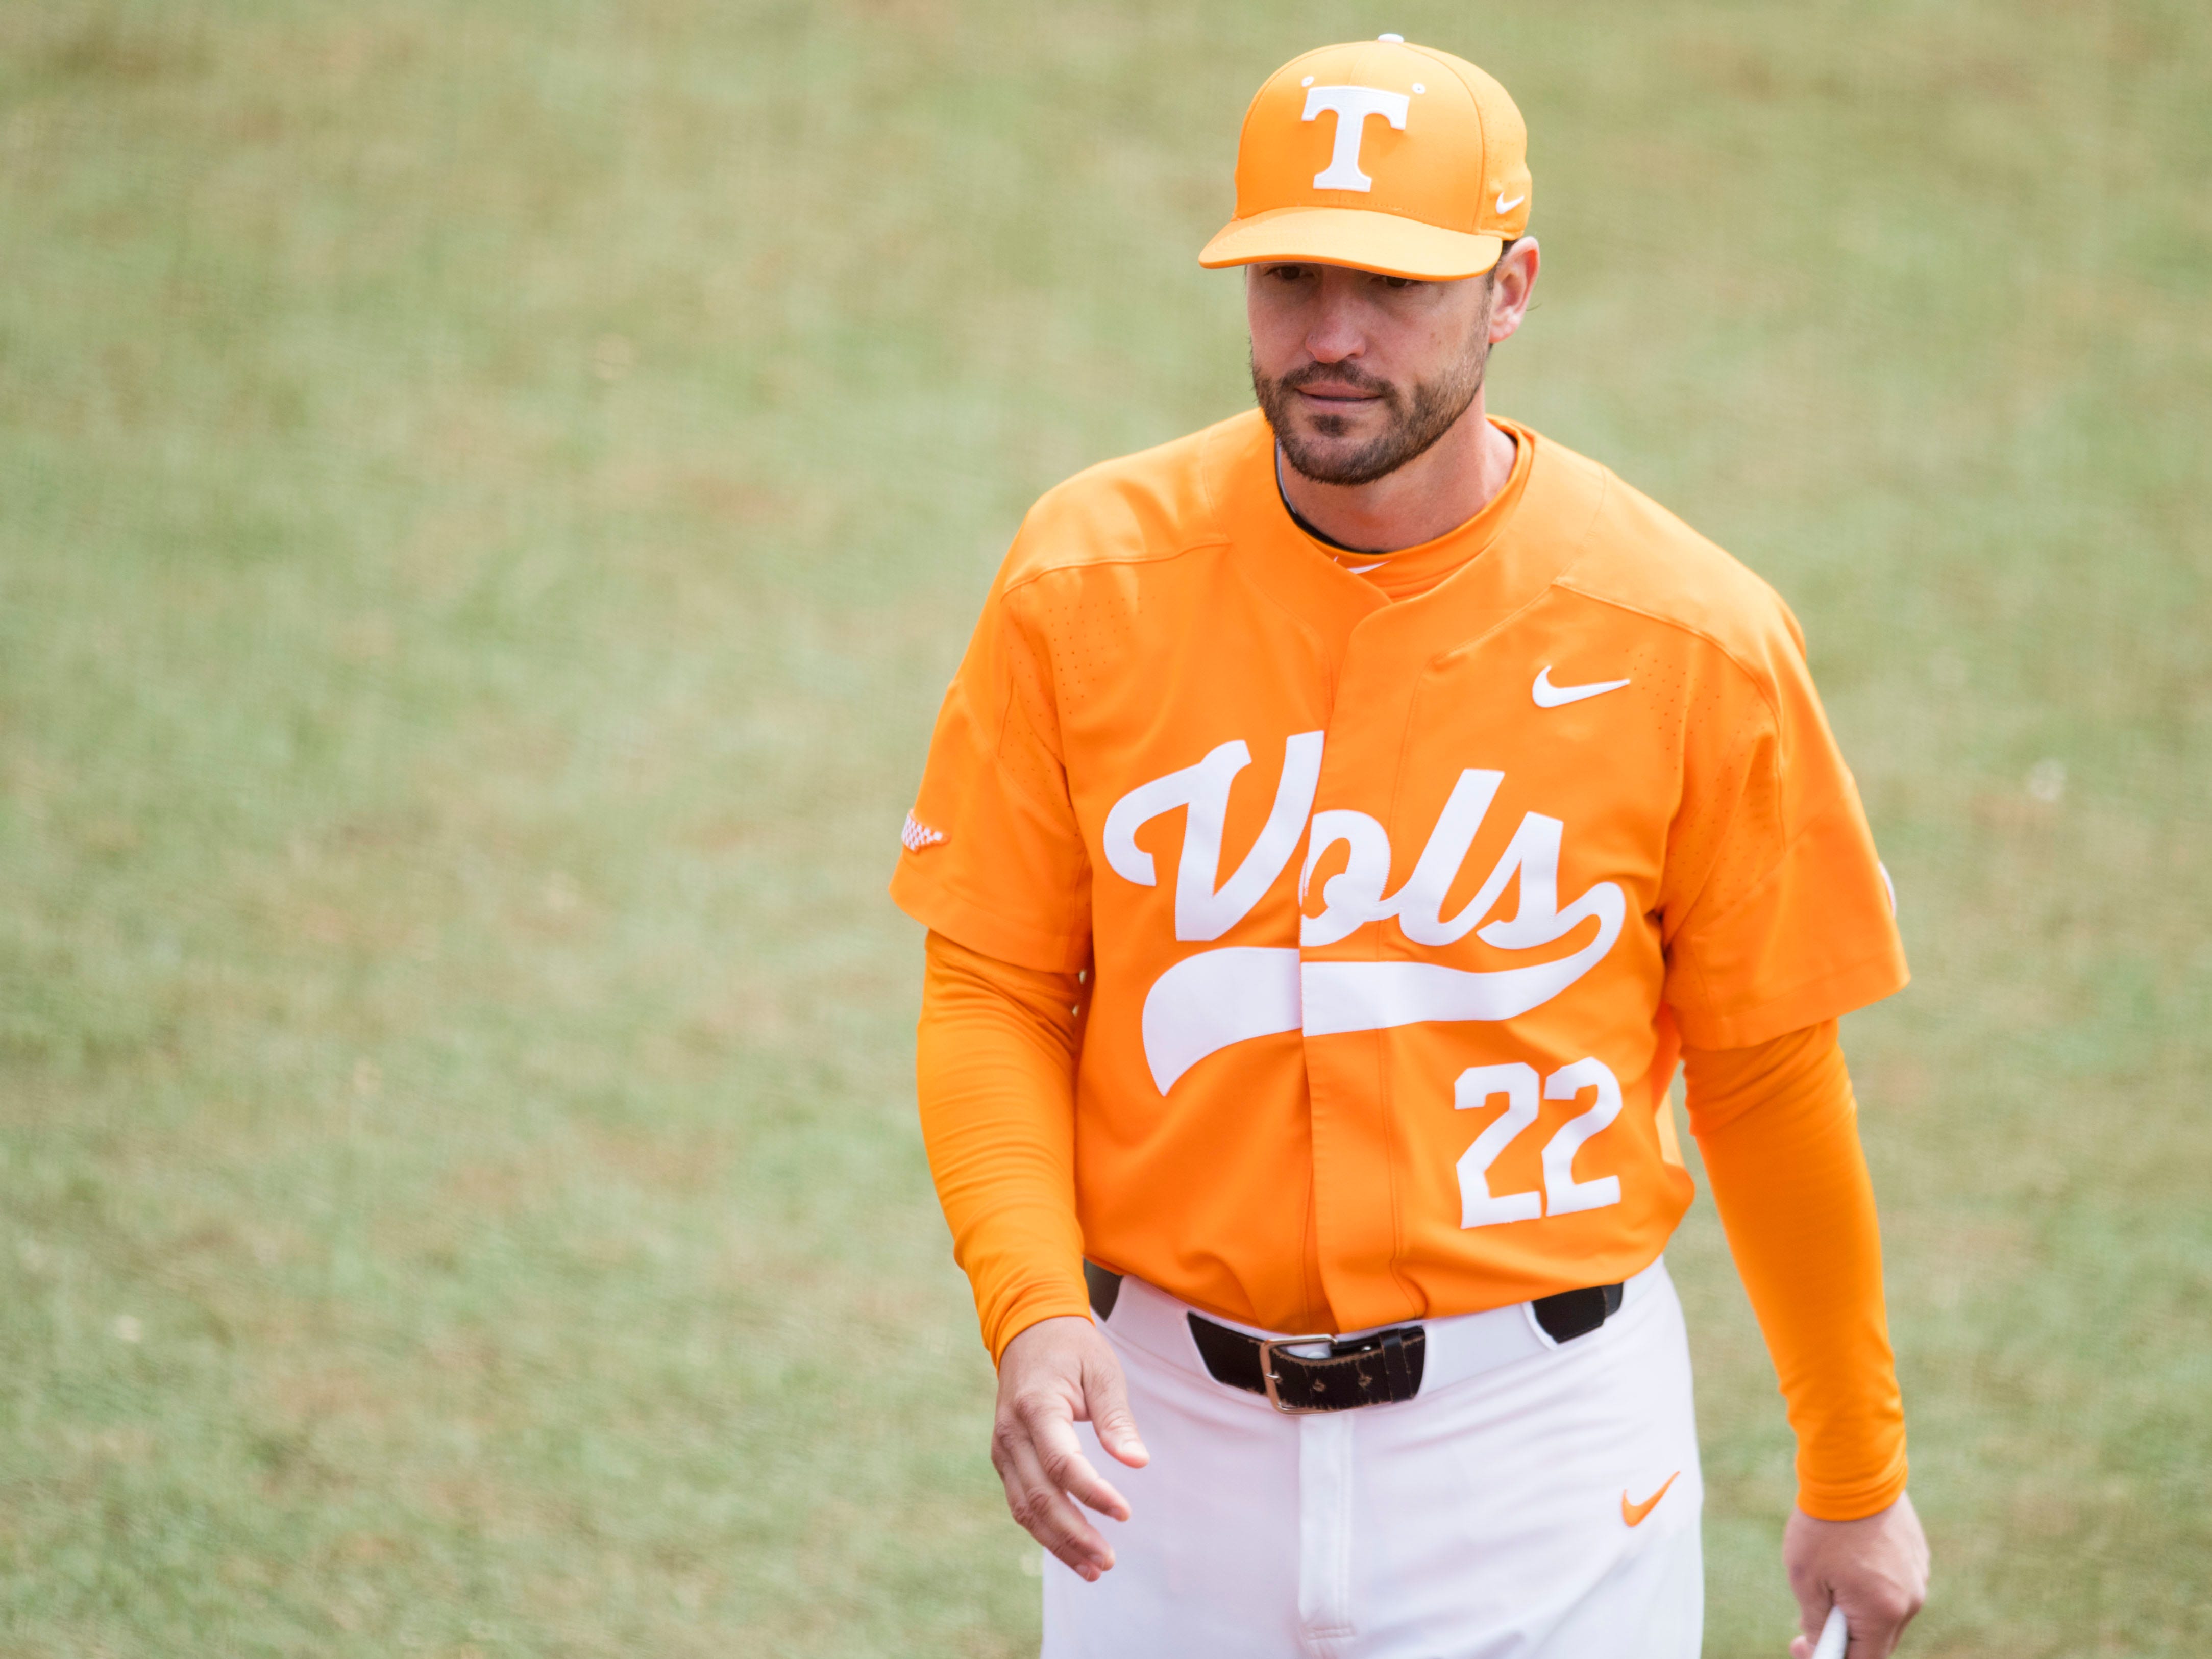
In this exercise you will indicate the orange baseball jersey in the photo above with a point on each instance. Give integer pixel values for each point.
(1396, 912)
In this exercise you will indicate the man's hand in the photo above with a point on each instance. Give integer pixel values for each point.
(1876, 1567)
(1054, 1374)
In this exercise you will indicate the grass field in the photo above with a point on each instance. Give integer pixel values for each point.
(489, 495)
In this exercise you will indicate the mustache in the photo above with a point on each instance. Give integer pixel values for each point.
(1344, 374)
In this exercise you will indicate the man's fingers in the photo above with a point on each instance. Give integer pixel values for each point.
(1044, 1511)
(1106, 1403)
(1877, 1622)
(1814, 1600)
(1069, 1471)
(1056, 1372)
(1875, 1636)
(1879, 1614)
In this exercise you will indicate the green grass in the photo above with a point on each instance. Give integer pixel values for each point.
(490, 495)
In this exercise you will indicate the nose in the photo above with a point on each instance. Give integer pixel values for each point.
(1336, 332)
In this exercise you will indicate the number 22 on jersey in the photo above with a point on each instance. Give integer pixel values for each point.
(1563, 1195)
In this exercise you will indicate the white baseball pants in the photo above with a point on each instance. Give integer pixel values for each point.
(1503, 1513)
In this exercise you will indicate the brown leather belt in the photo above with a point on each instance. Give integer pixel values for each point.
(1378, 1369)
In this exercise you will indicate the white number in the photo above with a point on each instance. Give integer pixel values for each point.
(1563, 1195)
(1477, 1085)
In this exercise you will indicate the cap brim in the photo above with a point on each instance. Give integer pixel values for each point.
(1358, 237)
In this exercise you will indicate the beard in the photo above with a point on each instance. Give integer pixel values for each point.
(1417, 419)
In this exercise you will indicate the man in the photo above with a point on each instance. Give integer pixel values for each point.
(1343, 823)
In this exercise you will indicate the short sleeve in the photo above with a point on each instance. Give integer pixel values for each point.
(1775, 912)
(991, 856)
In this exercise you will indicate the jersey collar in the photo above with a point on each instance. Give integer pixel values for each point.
(1541, 539)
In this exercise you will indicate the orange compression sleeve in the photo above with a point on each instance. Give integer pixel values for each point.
(1779, 1131)
(994, 1064)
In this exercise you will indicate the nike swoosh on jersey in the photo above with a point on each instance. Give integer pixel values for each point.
(1548, 696)
(1634, 1513)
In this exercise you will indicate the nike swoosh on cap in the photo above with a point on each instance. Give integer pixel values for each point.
(1548, 696)
(1505, 206)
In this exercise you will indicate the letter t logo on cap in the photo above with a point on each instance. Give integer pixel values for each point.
(1352, 106)
(1448, 190)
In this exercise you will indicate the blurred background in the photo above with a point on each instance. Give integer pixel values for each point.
(490, 495)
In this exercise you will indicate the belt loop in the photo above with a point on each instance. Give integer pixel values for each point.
(1105, 1286)
(1566, 1315)
(1393, 1364)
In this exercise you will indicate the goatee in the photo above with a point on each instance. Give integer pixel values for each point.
(1416, 420)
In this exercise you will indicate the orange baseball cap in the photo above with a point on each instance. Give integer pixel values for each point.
(1382, 156)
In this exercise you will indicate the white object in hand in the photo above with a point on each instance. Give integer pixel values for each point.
(1835, 1635)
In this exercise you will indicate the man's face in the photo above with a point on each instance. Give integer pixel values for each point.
(1359, 373)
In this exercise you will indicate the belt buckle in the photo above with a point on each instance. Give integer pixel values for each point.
(1267, 1346)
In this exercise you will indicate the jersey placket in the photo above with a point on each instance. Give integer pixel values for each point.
(1368, 740)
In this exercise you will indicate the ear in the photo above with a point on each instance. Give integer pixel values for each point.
(1511, 280)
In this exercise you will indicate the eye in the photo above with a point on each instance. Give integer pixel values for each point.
(1400, 282)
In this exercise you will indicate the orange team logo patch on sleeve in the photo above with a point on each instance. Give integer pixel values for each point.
(917, 835)
(1634, 1513)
